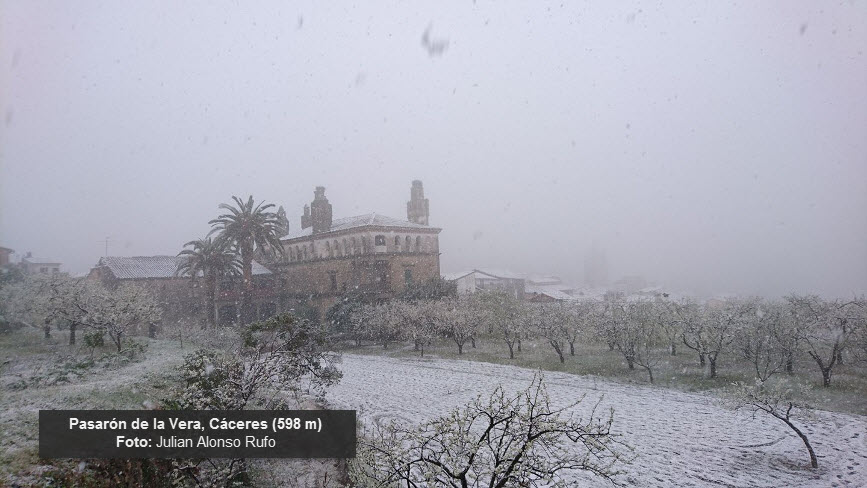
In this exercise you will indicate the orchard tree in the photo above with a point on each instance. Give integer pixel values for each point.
(553, 323)
(778, 401)
(117, 311)
(385, 324)
(501, 441)
(455, 319)
(505, 315)
(713, 332)
(758, 337)
(826, 328)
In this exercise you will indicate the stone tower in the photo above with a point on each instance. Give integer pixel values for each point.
(417, 209)
(305, 219)
(320, 211)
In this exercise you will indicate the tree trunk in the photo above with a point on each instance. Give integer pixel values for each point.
(649, 373)
(511, 350)
(814, 463)
(473, 341)
(790, 366)
(152, 330)
(460, 348)
(701, 359)
(826, 377)
(672, 349)
(117, 342)
(47, 330)
(415, 345)
(711, 370)
(72, 334)
(210, 298)
(839, 356)
(519, 345)
(247, 313)
(610, 346)
(630, 362)
(572, 348)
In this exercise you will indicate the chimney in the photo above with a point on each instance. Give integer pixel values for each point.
(305, 219)
(320, 211)
(417, 207)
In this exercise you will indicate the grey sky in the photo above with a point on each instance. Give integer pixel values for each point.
(718, 147)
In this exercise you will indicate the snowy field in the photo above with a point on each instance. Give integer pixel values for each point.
(680, 439)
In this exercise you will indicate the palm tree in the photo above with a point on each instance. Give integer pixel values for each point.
(249, 228)
(211, 260)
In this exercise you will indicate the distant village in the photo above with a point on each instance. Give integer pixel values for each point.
(371, 255)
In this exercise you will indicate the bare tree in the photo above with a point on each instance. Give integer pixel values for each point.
(777, 401)
(553, 320)
(505, 315)
(713, 332)
(826, 328)
(499, 442)
(454, 318)
(758, 337)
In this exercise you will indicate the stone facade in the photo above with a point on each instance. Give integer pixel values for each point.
(371, 254)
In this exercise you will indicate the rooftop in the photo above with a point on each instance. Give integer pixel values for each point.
(366, 220)
(140, 267)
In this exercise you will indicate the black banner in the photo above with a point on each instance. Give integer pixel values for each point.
(197, 434)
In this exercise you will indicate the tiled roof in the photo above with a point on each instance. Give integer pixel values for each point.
(138, 267)
(371, 219)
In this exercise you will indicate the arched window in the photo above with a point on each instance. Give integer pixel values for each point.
(328, 249)
(396, 243)
(354, 246)
(408, 244)
(379, 241)
(418, 244)
(291, 254)
(346, 250)
(337, 249)
(305, 251)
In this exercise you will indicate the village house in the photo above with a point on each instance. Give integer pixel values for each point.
(179, 296)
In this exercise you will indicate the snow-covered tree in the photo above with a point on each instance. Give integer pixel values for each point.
(759, 334)
(553, 325)
(455, 319)
(118, 311)
(777, 400)
(825, 328)
(713, 332)
(505, 316)
(500, 441)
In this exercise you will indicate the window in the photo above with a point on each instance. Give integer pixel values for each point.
(305, 251)
(365, 244)
(346, 250)
(332, 277)
(354, 246)
(408, 244)
(418, 244)
(407, 276)
(396, 243)
(328, 249)
(379, 240)
(337, 249)
(291, 254)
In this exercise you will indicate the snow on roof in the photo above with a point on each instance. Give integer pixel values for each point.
(139, 267)
(38, 260)
(456, 276)
(555, 294)
(544, 280)
(499, 273)
(366, 220)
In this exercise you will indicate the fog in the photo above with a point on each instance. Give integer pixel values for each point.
(709, 148)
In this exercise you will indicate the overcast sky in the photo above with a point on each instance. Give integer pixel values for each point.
(718, 147)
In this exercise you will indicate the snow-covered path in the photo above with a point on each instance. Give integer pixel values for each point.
(680, 439)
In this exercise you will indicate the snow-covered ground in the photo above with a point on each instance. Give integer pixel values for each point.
(680, 439)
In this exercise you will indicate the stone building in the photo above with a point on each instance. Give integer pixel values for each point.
(178, 296)
(371, 254)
